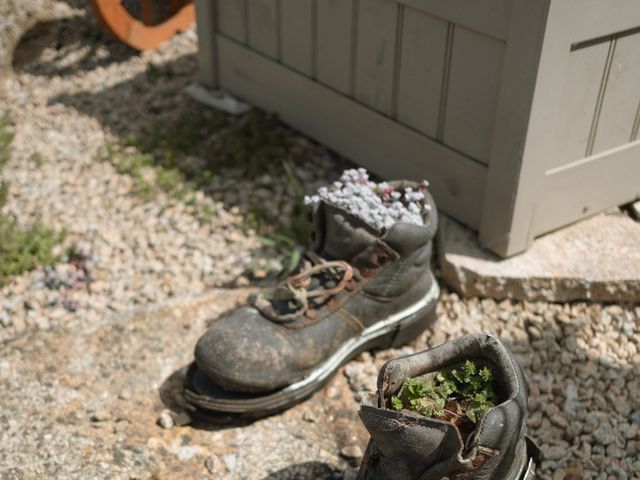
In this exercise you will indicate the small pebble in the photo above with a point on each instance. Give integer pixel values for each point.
(165, 420)
(214, 464)
(351, 452)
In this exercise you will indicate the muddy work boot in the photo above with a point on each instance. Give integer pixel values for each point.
(358, 288)
(427, 441)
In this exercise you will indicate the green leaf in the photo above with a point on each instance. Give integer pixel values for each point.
(294, 260)
(396, 403)
(458, 375)
(486, 374)
(470, 367)
(471, 414)
(269, 242)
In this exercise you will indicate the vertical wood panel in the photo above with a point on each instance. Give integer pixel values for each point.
(207, 48)
(232, 19)
(526, 113)
(263, 26)
(421, 71)
(296, 23)
(474, 80)
(597, 18)
(490, 17)
(578, 107)
(334, 43)
(384, 146)
(377, 24)
(620, 103)
(636, 126)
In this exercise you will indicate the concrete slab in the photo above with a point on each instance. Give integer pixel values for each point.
(597, 259)
(217, 99)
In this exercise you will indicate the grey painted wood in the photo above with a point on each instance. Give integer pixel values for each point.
(582, 84)
(207, 52)
(519, 144)
(474, 80)
(534, 113)
(444, 89)
(580, 190)
(536, 197)
(334, 43)
(232, 18)
(263, 27)
(585, 186)
(622, 96)
(358, 132)
(377, 32)
(297, 19)
(421, 71)
(635, 134)
(597, 18)
(490, 17)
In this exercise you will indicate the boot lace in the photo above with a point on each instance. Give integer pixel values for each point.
(297, 296)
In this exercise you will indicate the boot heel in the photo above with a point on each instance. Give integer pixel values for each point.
(414, 326)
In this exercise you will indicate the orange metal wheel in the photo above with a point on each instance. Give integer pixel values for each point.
(144, 24)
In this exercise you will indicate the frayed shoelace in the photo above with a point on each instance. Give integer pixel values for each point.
(295, 289)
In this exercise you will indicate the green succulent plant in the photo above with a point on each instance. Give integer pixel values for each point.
(470, 386)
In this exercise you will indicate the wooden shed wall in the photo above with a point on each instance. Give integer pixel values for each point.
(514, 109)
(593, 157)
(427, 65)
(431, 65)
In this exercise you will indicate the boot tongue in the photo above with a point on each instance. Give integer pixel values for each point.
(341, 235)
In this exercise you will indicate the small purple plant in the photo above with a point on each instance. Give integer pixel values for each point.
(73, 274)
(378, 204)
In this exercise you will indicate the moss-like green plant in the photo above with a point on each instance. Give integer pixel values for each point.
(4, 193)
(6, 137)
(20, 249)
(290, 237)
(469, 387)
(255, 143)
(37, 159)
(156, 72)
(170, 180)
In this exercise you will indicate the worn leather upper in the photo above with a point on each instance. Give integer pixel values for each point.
(245, 351)
(409, 446)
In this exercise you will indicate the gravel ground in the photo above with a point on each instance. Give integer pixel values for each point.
(117, 325)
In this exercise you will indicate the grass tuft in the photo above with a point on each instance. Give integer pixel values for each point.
(21, 249)
(187, 151)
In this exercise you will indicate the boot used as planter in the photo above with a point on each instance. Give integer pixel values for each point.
(456, 411)
(365, 283)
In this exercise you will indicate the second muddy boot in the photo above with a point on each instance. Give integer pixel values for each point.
(359, 288)
(406, 445)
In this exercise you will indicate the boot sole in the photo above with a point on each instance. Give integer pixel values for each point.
(394, 331)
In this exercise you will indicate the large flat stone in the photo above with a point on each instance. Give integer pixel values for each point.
(597, 259)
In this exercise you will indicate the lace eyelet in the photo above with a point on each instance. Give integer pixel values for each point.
(381, 258)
